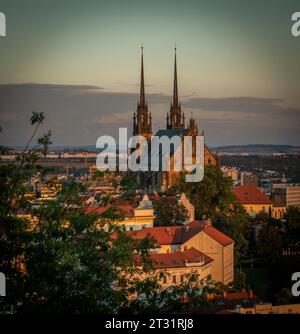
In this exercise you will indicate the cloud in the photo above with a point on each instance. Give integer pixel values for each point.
(10, 116)
(79, 114)
(117, 118)
(234, 108)
(34, 86)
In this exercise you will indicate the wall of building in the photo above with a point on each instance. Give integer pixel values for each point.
(278, 212)
(180, 274)
(223, 264)
(292, 195)
(169, 248)
(268, 308)
(254, 209)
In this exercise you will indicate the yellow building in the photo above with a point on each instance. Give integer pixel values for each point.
(189, 207)
(135, 218)
(201, 236)
(268, 308)
(217, 246)
(179, 265)
(278, 210)
(253, 199)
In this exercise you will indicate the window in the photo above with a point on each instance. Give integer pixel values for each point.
(174, 279)
(165, 280)
(181, 278)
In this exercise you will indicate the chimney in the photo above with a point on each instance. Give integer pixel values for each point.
(168, 231)
(224, 294)
(250, 294)
(187, 228)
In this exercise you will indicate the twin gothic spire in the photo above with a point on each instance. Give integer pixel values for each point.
(142, 119)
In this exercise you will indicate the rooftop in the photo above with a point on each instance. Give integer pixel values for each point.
(250, 194)
(167, 235)
(178, 259)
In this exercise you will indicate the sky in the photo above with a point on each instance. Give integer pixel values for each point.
(79, 62)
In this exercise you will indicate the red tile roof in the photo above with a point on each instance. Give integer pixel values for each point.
(177, 259)
(231, 295)
(250, 194)
(168, 235)
(126, 208)
(217, 235)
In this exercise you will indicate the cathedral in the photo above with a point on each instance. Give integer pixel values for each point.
(176, 125)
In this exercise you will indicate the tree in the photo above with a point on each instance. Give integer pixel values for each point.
(237, 226)
(262, 217)
(60, 259)
(169, 212)
(210, 195)
(127, 186)
(240, 282)
(292, 223)
(269, 243)
(284, 297)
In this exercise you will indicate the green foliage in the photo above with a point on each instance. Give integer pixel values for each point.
(98, 175)
(284, 297)
(37, 118)
(127, 186)
(240, 282)
(169, 212)
(286, 164)
(262, 217)
(210, 195)
(60, 259)
(237, 226)
(270, 243)
(292, 223)
(69, 192)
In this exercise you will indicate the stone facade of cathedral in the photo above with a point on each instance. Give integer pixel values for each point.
(176, 125)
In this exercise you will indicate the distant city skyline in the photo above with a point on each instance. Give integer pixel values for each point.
(238, 68)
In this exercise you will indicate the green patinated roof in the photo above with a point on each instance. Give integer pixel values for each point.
(172, 132)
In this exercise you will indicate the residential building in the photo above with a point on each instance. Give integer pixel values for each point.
(200, 235)
(179, 265)
(189, 207)
(287, 193)
(268, 308)
(135, 217)
(231, 172)
(253, 199)
(248, 178)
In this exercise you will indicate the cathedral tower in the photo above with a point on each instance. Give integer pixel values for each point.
(176, 119)
(142, 119)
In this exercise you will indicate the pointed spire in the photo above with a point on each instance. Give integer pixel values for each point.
(142, 87)
(175, 88)
(143, 118)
